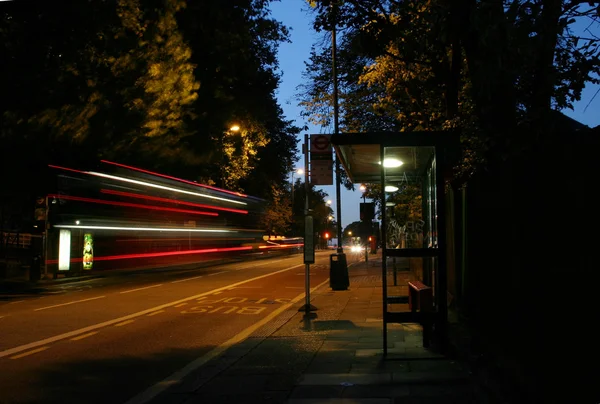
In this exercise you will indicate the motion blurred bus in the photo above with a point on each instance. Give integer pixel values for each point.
(119, 216)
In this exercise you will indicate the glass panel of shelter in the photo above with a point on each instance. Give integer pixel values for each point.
(411, 221)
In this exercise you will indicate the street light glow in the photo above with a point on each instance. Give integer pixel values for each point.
(234, 128)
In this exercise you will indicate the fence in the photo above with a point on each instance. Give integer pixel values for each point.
(15, 241)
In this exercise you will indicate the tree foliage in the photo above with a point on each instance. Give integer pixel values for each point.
(154, 83)
(493, 70)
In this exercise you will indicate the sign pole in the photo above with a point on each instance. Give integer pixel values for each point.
(309, 235)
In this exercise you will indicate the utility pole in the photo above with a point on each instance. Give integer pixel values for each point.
(338, 277)
(338, 180)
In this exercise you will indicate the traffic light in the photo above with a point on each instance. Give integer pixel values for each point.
(367, 211)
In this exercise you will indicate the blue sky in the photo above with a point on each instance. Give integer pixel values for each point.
(294, 14)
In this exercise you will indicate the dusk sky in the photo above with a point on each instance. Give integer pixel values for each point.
(295, 15)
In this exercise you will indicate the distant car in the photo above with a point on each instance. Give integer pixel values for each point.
(357, 248)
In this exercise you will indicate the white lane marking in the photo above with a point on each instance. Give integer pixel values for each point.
(180, 305)
(187, 279)
(129, 316)
(2, 316)
(18, 301)
(155, 313)
(124, 323)
(217, 273)
(135, 290)
(178, 376)
(66, 304)
(89, 334)
(30, 352)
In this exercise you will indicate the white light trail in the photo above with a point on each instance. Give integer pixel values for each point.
(167, 229)
(149, 184)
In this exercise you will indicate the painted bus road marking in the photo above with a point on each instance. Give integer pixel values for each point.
(124, 323)
(29, 352)
(73, 302)
(135, 290)
(238, 300)
(89, 334)
(233, 305)
(226, 310)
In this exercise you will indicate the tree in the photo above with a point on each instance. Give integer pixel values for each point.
(155, 84)
(277, 217)
(128, 84)
(234, 47)
(317, 206)
(499, 67)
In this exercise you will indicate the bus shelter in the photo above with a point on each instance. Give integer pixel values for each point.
(409, 168)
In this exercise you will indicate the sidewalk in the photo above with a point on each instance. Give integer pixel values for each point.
(333, 357)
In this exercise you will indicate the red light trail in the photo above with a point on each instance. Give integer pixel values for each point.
(131, 205)
(157, 254)
(159, 199)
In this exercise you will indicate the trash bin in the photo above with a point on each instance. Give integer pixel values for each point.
(338, 272)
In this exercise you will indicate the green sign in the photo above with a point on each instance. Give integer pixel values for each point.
(88, 251)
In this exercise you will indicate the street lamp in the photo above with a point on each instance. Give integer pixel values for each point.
(298, 171)
(226, 140)
(329, 218)
(363, 189)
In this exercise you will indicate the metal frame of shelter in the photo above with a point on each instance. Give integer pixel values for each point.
(426, 156)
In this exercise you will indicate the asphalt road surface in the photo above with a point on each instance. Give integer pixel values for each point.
(114, 339)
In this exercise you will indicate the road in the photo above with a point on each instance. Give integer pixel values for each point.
(109, 340)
